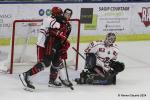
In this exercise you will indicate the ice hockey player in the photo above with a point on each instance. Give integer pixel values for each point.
(101, 66)
(55, 23)
(55, 43)
(57, 64)
(48, 23)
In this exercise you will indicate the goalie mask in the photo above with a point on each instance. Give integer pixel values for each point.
(67, 13)
(110, 39)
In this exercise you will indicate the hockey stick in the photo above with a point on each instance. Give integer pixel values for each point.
(70, 85)
(78, 53)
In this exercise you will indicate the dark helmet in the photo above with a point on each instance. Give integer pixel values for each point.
(68, 11)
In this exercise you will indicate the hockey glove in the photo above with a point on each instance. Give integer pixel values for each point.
(117, 66)
(57, 33)
(61, 36)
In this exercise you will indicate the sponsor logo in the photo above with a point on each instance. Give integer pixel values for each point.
(48, 12)
(114, 8)
(86, 15)
(43, 12)
(145, 16)
(4, 20)
(93, 25)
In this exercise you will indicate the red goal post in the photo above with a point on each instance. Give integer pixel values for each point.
(32, 23)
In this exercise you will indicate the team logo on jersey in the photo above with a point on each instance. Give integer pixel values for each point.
(145, 16)
(101, 49)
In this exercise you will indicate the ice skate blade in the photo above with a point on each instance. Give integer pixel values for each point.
(22, 81)
(53, 86)
(29, 89)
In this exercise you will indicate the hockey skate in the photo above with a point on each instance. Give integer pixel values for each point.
(55, 83)
(26, 82)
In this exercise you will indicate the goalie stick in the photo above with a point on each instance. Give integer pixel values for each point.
(78, 53)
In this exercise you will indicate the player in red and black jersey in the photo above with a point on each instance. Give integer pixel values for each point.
(54, 44)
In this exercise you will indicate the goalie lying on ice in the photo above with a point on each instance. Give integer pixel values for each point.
(101, 66)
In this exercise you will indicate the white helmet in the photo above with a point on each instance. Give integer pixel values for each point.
(110, 38)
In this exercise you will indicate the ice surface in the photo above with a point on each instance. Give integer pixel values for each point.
(135, 80)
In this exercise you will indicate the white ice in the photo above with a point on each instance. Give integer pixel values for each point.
(135, 80)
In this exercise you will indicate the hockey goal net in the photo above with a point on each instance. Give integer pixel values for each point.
(23, 53)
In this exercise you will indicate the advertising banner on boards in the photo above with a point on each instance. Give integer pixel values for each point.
(96, 18)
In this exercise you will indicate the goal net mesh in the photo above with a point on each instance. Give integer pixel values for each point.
(23, 53)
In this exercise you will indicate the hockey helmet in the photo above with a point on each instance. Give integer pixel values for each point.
(56, 11)
(110, 38)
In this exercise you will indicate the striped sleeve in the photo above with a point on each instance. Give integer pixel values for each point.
(49, 23)
(91, 48)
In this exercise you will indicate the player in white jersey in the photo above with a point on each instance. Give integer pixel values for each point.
(101, 62)
(49, 22)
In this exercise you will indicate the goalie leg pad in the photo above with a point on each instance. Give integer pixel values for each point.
(98, 80)
(88, 78)
(90, 60)
(82, 79)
